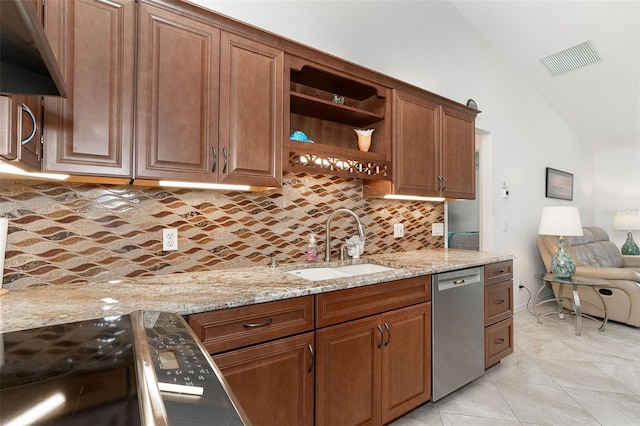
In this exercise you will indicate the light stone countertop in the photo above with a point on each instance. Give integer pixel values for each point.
(189, 293)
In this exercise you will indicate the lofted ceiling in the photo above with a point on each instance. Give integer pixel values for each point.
(601, 101)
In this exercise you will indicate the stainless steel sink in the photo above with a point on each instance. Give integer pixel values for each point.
(329, 273)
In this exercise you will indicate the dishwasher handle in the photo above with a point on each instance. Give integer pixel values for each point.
(454, 279)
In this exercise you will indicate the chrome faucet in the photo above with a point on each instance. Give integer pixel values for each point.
(327, 255)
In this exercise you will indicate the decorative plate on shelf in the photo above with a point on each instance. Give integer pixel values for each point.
(472, 104)
(299, 136)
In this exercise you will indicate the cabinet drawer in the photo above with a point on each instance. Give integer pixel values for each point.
(498, 342)
(498, 302)
(345, 305)
(497, 272)
(246, 325)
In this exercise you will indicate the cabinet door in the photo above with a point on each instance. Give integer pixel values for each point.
(274, 382)
(251, 112)
(91, 132)
(406, 360)
(348, 373)
(177, 97)
(21, 124)
(458, 154)
(416, 150)
(20, 130)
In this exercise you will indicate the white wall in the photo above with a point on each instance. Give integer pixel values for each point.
(618, 188)
(430, 44)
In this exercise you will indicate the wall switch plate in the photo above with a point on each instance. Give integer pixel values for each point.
(170, 239)
(437, 229)
(398, 230)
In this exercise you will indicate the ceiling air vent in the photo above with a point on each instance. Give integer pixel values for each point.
(571, 58)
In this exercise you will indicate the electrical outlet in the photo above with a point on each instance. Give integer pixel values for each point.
(437, 229)
(520, 285)
(170, 239)
(398, 230)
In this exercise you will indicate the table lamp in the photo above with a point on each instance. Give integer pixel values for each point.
(562, 221)
(628, 220)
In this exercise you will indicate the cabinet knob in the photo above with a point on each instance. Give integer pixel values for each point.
(499, 341)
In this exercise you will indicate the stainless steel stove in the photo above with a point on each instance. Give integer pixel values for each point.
(147, 368)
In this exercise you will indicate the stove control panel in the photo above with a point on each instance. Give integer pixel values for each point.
(179, 363)
(189, 385)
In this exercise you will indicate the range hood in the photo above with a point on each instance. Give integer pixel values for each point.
(27, 63)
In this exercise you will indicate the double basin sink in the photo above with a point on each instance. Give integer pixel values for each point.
(330, 273)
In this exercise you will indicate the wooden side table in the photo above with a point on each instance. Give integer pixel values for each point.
(574, 282)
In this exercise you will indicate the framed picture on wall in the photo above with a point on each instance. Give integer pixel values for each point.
(559, 184)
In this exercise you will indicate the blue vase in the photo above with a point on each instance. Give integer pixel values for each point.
(630, 247)
(562, 265)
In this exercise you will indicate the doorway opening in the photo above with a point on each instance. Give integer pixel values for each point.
(469, 223)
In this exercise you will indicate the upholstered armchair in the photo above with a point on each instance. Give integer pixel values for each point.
(598, 257)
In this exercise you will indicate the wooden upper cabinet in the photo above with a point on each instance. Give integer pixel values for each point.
(91, 131)
(458, 154)
(416, 145)
(21, 130)
(21, 124)
(433, 149)
(177, 103)
(209, 103)
(251, 112)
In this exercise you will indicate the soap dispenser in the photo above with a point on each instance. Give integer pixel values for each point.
(312, 250)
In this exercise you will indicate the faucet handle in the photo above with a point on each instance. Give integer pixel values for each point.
(343, 249)
(274, 261)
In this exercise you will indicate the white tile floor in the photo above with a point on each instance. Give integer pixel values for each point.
(553, 378)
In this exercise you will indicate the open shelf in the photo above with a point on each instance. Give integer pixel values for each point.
(327, 159)
(313, 77)
(313, 109)
(326, 110)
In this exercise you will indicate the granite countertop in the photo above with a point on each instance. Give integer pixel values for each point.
(189, 293)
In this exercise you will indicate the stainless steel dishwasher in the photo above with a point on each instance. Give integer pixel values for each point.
(457, 328)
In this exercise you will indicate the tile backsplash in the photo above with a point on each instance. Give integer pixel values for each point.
(82, 233)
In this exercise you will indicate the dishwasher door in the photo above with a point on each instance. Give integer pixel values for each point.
(457, 346)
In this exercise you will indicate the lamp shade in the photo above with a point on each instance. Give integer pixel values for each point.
(560, 220)
(628, 220)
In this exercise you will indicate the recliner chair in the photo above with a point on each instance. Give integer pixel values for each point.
(598, 257)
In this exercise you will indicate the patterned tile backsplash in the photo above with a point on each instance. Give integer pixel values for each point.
(82, 233)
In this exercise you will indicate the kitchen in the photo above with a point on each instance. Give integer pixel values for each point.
(131, 219)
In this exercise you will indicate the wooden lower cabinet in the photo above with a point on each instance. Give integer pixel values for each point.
(372, 370)
(366, 362)
(406, 361)
(498, 341)
(498, 312)
(274, 382)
